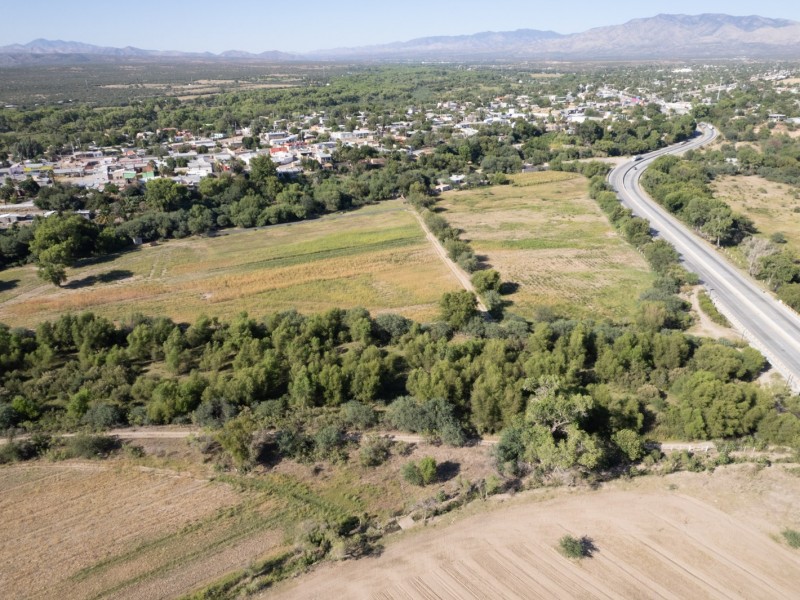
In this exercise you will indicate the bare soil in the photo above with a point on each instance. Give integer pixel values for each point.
(77, 514)
(704, 326)
(681, 536)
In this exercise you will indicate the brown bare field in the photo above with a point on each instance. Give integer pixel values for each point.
(681, 536)
(770, 205)
(78, 515)
(545, 234)
(158, 527)
(376, 257)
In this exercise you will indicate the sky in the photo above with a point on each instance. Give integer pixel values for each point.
(306, 25)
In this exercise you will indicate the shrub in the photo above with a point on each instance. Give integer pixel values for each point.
(412, 474)
(573, 547)
(421, 473)
(570, 547)
(89, 446)
(457, 308)
(427, 469)
(375, 451)
(434, 416)
(103, 416)
(8, 416)
(390, 327)
(707, 306)
(792, 537)
(358, 415)
(329, 443)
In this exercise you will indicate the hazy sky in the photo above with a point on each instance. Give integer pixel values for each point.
(258, 25)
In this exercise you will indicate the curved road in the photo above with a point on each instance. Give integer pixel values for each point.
(769, 325)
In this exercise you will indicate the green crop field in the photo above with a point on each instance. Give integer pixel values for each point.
(376, 257)
(545, 234)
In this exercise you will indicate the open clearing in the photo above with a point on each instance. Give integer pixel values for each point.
(681, 536)
(62, 520)
(545, 234)
(770, 205)
(160, 527)
(376, 257)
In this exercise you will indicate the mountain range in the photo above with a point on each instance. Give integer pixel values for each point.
(664, 36)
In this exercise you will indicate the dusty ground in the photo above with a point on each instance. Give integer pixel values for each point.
(158, 527)
(78, 514)
(681, 536)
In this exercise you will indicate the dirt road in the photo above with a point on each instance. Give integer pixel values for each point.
(153, 433)
(459, 273)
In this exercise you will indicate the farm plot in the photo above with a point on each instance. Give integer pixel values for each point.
(773, 207)
(89, 529)
(546, 235)
(376, 258)
(685, 536)
(139, 528)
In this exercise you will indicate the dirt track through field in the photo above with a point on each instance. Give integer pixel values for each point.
(459, 273)
(652, 542)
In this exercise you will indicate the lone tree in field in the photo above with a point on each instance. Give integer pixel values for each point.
(573, 547)
(58, 242)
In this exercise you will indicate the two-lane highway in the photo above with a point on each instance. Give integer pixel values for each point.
(768, 325)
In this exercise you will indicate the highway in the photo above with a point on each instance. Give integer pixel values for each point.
(767, 324)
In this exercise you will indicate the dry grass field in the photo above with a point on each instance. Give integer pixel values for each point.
(67, 525)
(376, 257)
(545, 234)
(770, 205)
(687, 535)
(168, 525)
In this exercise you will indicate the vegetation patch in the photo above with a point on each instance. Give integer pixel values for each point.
(374, 258)
(544, 234)
(710, 309)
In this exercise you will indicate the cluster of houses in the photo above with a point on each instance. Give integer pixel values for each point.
(314, 138)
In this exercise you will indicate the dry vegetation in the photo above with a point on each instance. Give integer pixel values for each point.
(376, 257)
(687, 535)
(63, 520)
(545, 234)
(166, 524)
(770, 205)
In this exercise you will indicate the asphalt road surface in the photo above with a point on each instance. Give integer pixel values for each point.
(769, 325)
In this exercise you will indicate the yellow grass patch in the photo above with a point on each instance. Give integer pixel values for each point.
(770, 205)
(376, 257)
(545, 234)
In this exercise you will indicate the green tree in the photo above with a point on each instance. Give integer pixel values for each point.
(165, 195)
(458, 308)
(486, 280)
(236, 438)
(427, 470)
(58, 242)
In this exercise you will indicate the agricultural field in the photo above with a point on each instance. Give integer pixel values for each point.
(376, 257)
(773, 207)
(686, 535)
(546, 235)
(167, 524)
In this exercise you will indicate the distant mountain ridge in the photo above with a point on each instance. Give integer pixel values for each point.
(59, 48)
(663, 36)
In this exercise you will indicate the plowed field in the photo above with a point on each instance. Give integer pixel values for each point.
(683, 536)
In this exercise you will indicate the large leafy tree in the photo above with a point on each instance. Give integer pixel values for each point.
(58, 242)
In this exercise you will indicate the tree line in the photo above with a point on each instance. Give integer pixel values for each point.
(562, 393)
